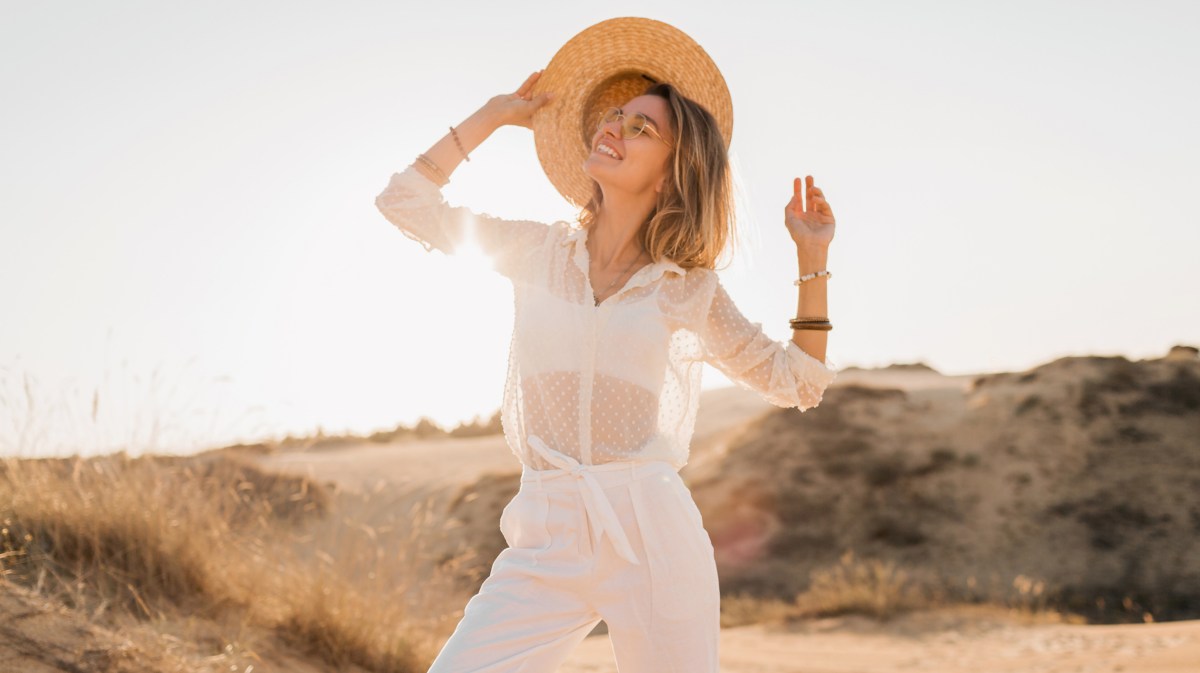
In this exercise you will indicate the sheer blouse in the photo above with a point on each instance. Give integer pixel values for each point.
(618, 381)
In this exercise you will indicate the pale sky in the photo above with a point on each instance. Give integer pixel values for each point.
(189, 224)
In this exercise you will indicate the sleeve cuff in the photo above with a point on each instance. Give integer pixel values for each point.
(412, 202)
(811, 375)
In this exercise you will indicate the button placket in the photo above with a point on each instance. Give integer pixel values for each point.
(586, 378)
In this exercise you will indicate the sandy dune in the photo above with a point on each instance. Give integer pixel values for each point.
(948, 639)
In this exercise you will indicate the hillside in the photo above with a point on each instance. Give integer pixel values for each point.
(1080, 477)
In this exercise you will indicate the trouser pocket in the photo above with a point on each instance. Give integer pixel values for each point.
(523, 521)
(680, 554)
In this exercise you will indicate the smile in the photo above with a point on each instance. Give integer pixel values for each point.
(605, 149)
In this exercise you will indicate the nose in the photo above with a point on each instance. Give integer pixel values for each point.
(608, 131)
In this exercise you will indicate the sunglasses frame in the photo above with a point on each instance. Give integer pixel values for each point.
(647, 125)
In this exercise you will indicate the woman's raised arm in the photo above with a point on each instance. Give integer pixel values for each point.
(413, 202)
(781, 372)
(505, 109)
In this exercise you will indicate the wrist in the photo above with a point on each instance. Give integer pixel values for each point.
(483, 121)
(487, 118)
(810, 260)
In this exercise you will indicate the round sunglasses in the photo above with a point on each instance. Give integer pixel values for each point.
(632, 125)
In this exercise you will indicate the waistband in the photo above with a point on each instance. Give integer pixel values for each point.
(607, 474)
(590, 480)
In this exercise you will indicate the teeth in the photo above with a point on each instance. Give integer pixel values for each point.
(608, 150)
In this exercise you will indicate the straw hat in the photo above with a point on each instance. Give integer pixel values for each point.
(604, 66)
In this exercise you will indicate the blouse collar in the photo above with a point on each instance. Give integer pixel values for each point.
(643, 276)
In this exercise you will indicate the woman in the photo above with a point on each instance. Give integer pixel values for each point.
(614, 320)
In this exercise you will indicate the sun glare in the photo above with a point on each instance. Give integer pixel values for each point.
(471, 258)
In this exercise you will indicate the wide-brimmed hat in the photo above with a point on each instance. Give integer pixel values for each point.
(604, 66)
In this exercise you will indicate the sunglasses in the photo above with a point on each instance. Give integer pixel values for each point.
(632, 125)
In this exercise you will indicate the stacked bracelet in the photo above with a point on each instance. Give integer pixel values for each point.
(459, 143)
(822, 324)
(437, 171)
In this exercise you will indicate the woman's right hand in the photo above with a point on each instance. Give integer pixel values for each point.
(517, 108)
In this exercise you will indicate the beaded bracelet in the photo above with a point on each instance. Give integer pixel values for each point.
(810, 276)
(459, 143)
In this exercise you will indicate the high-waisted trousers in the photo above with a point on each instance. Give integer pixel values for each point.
(623, 542)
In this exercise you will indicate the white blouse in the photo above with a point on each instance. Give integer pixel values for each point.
(618, 381)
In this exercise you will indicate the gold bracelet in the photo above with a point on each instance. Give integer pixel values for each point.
(438, 173)
(428, 173)
(432, 166)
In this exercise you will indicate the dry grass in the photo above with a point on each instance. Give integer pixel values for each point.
(330, 619)
(875, 588)
(160, 539)
(742, 609)
(882, 590)
(204, 554)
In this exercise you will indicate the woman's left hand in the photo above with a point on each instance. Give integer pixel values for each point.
(811, 228)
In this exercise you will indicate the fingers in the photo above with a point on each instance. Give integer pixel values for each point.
(817, 197)
(545, 98)
(523, 92)
(810, 194)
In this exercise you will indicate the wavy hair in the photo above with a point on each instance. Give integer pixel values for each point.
(693, 219)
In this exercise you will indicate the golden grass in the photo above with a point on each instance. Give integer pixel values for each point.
(875, 588)
(883, 590)
(163, 538)
(742, 609)
(333, 621)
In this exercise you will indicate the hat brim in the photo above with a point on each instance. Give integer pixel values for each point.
(604, 66)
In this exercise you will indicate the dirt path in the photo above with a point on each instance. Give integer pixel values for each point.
(942, 641)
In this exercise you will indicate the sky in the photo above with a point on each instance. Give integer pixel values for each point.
(190, 254)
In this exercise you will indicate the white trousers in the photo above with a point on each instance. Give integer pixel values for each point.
(623, 542)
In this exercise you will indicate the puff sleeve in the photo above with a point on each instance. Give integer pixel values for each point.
(415, 205)
(781, 372)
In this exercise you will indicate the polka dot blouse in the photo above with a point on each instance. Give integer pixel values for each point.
(617, 381)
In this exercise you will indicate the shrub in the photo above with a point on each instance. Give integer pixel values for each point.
(875, 588)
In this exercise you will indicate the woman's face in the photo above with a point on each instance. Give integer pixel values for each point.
(642, 165)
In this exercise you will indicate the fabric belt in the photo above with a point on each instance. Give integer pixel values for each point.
(599, 511)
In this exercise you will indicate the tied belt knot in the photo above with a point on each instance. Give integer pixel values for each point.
(599, 511)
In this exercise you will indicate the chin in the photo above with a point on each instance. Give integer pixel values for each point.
(589, 167)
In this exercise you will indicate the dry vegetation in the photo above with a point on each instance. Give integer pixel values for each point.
(166, 541)
(878, 503)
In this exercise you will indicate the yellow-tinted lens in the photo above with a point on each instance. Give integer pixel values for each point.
(631, 125)
(634, 125)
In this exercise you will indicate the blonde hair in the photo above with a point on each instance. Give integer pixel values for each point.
(694, 217)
